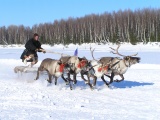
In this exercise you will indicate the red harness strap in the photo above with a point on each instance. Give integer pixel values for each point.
(61, 67)
(81, 64)
(102, 68)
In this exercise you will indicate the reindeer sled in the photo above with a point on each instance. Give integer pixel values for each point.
(25, 69)
(28, 68)
(72, 65)
(63, 67)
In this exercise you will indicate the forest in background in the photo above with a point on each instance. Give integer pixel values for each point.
(141, 25)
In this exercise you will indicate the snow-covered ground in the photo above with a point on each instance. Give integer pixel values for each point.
(136, 98)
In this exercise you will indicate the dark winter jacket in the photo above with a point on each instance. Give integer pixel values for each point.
(32, 45)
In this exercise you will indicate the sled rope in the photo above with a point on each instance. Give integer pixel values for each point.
(62, 54)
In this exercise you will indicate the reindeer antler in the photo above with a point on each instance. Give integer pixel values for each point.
(92, 50)
(116, 51)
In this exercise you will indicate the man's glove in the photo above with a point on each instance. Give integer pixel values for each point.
(43, 50)
(40, 50)
(37, 50)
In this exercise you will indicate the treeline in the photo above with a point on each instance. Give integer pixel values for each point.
(127, 26)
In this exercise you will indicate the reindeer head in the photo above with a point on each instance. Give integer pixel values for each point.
(131, 60)
(128, 60)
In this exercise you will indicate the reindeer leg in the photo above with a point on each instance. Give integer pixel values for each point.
(66, 81)
(56, 80)
(50, 77)
(121, 75)
(74, 78)
(107, 75)
(94, 81)
(38, 74)
(111, 78)
(82, 76)
(104, 80)
(69, 79)
(91, 87)
(86, 81)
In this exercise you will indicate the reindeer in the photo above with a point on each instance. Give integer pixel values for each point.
(53, 67)
(119, 66)
(73, 67)
(96, 69)
(108, 65)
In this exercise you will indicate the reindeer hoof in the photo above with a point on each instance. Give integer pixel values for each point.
(117, 81)
(67, 83)
(49, 81)
(93, 86)
(86, 82)
(107, 84)
(75, 82)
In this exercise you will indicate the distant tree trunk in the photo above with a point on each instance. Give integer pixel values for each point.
(127, 26)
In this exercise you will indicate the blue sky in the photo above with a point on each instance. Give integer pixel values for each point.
(30, 12)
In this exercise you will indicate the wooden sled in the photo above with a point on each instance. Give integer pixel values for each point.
(25, 69)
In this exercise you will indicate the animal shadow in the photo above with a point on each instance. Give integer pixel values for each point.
(129, 84)
(122, 84)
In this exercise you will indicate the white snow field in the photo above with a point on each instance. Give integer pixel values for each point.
(136, 98)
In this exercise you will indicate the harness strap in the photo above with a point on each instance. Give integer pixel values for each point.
(61, 67)
(91, 67)
(115, 63)
(81, 64)
(103, 68)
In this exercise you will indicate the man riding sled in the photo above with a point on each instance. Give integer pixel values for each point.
(30, 53)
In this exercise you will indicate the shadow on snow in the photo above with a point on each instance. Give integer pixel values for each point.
(130, 84)
(123, 84)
